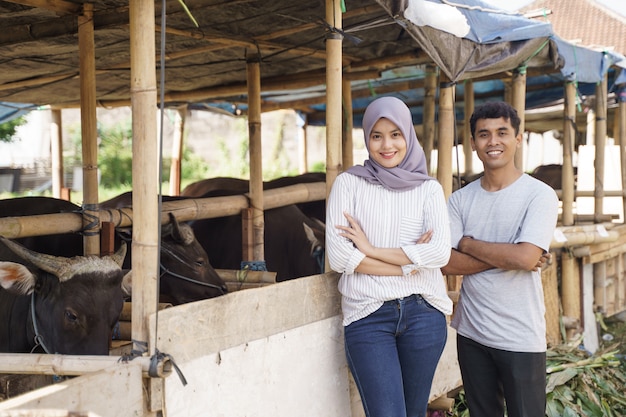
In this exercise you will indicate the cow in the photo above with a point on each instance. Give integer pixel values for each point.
(315, 209)
(186, 273)
(55, 304)
(551, 174)
(293, 242)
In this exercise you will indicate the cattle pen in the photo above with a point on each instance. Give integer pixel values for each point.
(277, 350)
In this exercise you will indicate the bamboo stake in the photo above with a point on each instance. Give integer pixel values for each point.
(519, 102)
(88, 123)
(446, 134)
(334, 42)
(177, 150)
(146, 224)
(56, 152)
(600, 143)
(622, 145)
(428, 120)
(567, 173)
(347, 151)
(255, 250)
(570, 289)
(468, 103)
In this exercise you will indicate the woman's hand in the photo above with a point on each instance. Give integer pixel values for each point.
(355, 234)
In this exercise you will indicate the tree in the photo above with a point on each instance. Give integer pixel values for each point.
(7, 129)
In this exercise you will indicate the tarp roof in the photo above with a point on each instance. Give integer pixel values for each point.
(384, 52)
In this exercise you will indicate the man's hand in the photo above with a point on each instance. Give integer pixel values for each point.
(546, 258)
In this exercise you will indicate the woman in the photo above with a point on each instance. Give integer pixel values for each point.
(388, 234)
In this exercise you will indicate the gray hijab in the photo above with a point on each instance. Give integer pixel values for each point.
(412, 171)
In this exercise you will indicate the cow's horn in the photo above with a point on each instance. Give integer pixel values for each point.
(120, 254)
(63, 268)
(181, 232)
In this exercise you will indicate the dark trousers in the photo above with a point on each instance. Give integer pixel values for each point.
(492, 377)
(393, 353)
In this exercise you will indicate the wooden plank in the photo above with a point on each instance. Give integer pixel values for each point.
(113, 392)
(235, 275)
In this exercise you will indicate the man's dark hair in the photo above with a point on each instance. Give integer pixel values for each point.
(495, 110)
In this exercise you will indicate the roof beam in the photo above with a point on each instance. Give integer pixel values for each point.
(60, 7)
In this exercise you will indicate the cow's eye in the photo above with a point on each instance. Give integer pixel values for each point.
(200, 263)
(70, 316)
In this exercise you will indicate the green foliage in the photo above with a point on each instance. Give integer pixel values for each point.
(7, 129)
(115, 155)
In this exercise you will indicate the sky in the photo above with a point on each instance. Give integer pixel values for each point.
(619, 6)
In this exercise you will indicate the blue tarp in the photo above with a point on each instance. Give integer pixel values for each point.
(9, 111)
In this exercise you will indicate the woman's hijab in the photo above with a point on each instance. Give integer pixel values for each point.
(412, 171)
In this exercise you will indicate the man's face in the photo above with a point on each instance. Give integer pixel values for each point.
(495, 142)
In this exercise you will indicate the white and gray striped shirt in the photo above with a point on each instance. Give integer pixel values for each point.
(390, 219)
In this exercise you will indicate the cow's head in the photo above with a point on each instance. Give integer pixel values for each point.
(75, 302)
(186, 274)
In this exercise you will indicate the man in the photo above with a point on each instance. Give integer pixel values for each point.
(501, 227)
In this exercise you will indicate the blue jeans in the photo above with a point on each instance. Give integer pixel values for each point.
(393, 353)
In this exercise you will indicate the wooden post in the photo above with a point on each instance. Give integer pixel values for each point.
(256, 158)
(177, 150)
(468, 105)
(567, 173)
(56, 151)
(428, 119)
(89, 128)
(348, 146)
(334, 42)
(600, 143)
(519, 102)
(446, 134)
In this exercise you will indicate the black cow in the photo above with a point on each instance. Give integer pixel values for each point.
(186, 273)
(56, 304)
(551, 174)
(315, 209)
(294, 242)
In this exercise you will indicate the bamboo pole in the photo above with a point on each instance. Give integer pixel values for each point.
(333, 92)
(622, 144)
(347, 142)
(428, 121)
(56, 152)
(89, 127)
(303, 148)
(177, 150)
(254, 250)
(600, 143)
(567, 173)
(519, 102)
(146, 228)
(468, 105)
(570, 288)
(69, 365)
(184, 210)
(334, 40)
(446, 134)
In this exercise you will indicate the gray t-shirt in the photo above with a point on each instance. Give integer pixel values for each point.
(499, 308)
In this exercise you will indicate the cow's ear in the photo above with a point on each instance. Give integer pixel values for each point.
(16, 278)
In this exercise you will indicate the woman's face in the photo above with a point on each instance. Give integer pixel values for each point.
(387, 145)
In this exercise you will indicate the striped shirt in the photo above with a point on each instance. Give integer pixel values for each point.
(390, 219)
